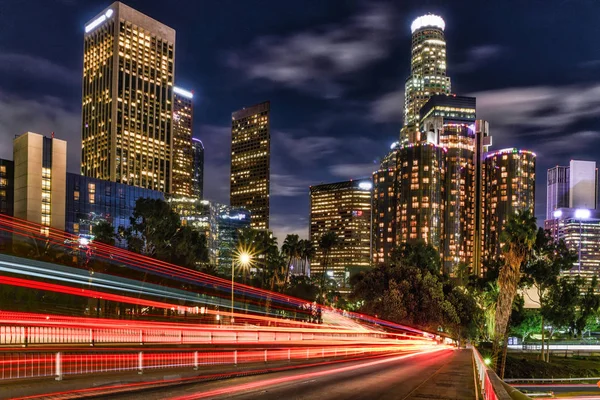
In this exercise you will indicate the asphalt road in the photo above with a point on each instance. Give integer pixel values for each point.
(422, 376)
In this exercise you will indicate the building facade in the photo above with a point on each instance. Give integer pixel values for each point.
(557, 190)
(7, 187)
(40, 167)
(90, 201)
(420, 207)
(343, 208)
(198, 169)
(250, 162)
(509, 176)
(183, 153)
(220, 224)
(427, 72)
(385, 199)
(127, 103)
(583, 184)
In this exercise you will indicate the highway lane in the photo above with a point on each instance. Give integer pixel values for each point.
(423, 376)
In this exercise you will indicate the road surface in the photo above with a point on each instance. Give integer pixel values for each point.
(446, 374)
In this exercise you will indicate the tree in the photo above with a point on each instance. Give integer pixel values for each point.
(326, 243)
(306, 252)
(104, 232)
(291, 249)
(528, 322)
(589, 302)
(420, 255)
(541, 272)
(560, 307)
(518, 238)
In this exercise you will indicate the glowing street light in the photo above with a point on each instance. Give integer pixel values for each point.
(244, 259)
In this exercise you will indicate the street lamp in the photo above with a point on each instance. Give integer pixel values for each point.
(243, 259)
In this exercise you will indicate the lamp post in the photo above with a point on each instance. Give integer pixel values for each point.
(243, 259)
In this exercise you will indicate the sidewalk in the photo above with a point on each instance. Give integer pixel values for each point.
(454, 381)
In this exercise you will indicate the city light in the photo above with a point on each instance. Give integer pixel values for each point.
(99, 20)
(183, 92)
(365, 185)
(557, 213)
(582, 213)
(428, 20)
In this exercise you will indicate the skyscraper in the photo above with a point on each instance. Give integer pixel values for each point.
(250, 162)
(343, 208)
(557, 190)
(450, 122)
(40, 168)
(183, 156)
(197, 169)
(420, 207)
(509, 187)
(428, 72)
(583, 184)
(127, 109)
(385, 200)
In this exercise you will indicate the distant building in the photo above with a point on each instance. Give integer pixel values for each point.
(427, 74)
(40, 165)
(509, 187)
(90, 200)
(557, 190)
(220, 223)
(385, 200)
(420, 211)
(343, 208)
(198, 169)
(127, 104)
(250, 162)
(583, 184)
(7, 187)
(183, 155)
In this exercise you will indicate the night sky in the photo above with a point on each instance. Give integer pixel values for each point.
(334, 72)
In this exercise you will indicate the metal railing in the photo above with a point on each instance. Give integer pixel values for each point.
(39, 364)
(491, 385)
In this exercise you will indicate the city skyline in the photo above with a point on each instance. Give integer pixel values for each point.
(343, 128)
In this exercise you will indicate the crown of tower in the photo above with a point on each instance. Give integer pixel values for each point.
(428, 20)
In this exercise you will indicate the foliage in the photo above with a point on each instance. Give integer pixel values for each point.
(418, 254)
(104, 232)
(525, 322)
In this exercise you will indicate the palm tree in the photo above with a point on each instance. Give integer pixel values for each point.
(326, 243)
(307, 253)
(518, 238)
(290, 249)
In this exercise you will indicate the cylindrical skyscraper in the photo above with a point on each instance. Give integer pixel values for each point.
(427, 72)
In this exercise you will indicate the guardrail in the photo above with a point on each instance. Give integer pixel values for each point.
(551, 380)
(492, 387)
(36, 364)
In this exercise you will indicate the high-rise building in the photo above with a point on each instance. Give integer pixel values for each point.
(127, 105)
(250, 162)
(509, 176)
(427, 72)
(583, 184)
(483, 143)
(40, 168)
(557, 190)
(343, 208)
(420, 207)
(183, 156)
(449, 121)
(197, 169)
(385, 199)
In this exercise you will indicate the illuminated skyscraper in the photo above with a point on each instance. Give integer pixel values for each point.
(127, 110)
(40, 170)
(557, 190)
(450, 122)
(183, 156)
(583, 184)
(509, 187)
(198, 169)
(345, 209)
(428, 72)
(250, 162)
(385, 200)
(420, 208)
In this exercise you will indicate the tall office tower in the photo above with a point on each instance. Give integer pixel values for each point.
(345, 209)
(250, 162)
(183, 156)
(557, 190)
(427, 72)
(385, 199)
(583, 184)
(40, 167)
(509, 186)
(198, 169)
(483, 142)
(421, 194)
(7, 187)
(450, 122)
(128, 74)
